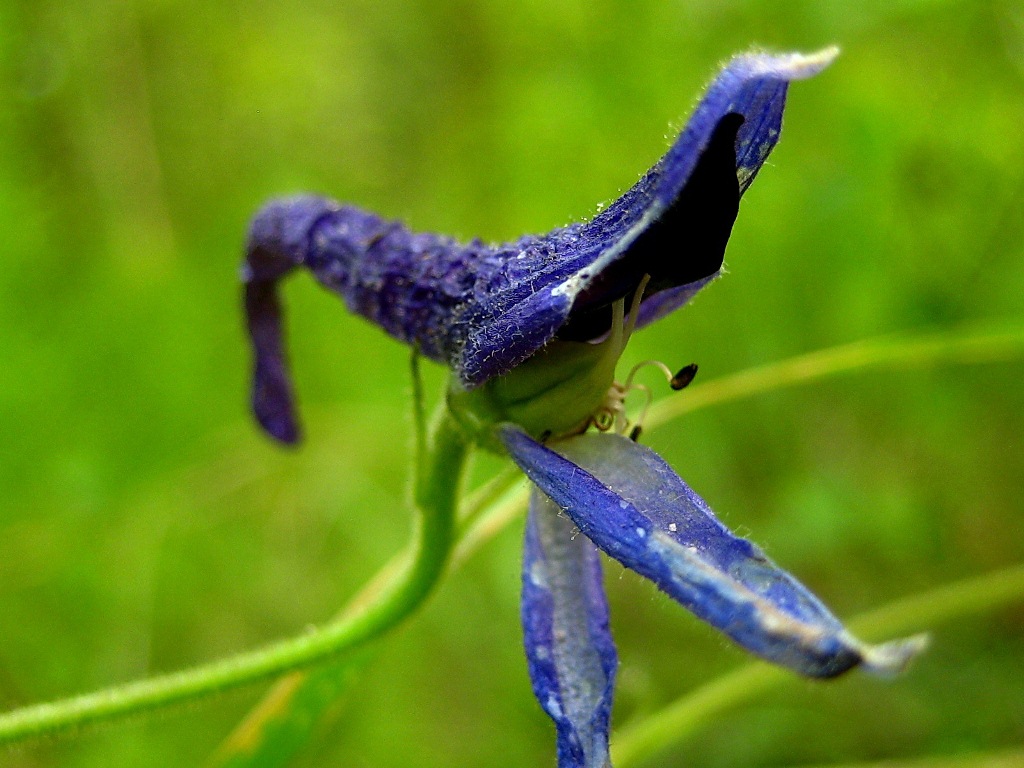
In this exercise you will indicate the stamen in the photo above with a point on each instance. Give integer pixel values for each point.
(612, 414)
(616, 402)
(682, 379)
(648, 399)
(618, 340)
(634, 308)
(656, 364)
(604, 419)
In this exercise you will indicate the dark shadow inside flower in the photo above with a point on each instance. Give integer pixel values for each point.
(685, 244)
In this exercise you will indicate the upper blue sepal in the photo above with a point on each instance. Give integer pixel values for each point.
(633, 506)
(485, 309)
(673, 224)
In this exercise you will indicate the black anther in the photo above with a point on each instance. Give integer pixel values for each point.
(682, 379)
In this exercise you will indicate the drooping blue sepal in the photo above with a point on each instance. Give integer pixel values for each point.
(569, 648)
(278, 243)
(632, 505)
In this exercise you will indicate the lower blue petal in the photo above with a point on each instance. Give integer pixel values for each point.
(569, 648)
(632, 505)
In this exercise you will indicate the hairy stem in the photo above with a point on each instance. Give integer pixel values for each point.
(276, 728)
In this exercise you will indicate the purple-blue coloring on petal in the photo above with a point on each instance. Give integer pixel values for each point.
(278, 243)
(484, 309)
(632, 505)
(569, 648)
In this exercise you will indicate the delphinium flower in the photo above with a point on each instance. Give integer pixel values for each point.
(532, 331)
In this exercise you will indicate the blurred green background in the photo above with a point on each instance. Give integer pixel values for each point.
(145, 525)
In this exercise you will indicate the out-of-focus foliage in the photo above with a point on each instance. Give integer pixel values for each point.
(144, 523)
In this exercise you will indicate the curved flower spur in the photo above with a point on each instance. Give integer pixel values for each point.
(532, 331)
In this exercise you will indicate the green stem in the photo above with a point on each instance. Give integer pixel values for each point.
(418, 409)
(298, 703)
(677, 721)
(435, 494)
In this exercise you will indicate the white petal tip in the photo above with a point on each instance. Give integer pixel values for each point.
(892, 658)
(821, 59)
(792, 66)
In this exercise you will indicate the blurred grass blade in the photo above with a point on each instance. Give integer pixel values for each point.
(298, 706)
(681, 719)
(988, 343)
(302, 704)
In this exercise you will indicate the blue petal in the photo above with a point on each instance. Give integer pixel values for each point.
(278, 243)
(662, 303)
(569, 648)
(753, 85)
(633, 506)
(563, 268)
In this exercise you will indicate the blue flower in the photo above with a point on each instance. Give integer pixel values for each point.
(533, 331)
(485, 309)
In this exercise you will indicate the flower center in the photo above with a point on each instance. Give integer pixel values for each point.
(563, 389)
(612, 413)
